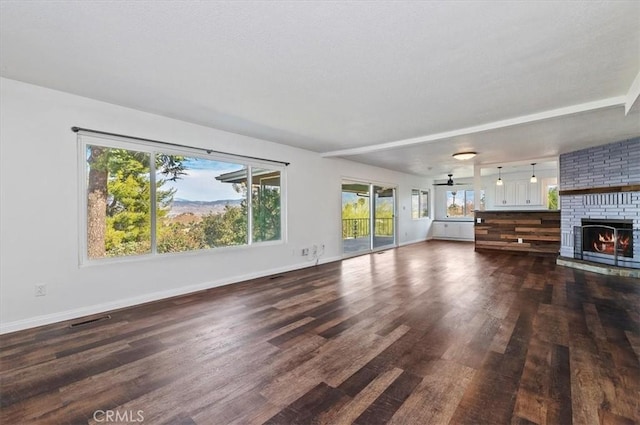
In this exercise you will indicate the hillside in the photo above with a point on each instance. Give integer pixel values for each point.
(200, 208)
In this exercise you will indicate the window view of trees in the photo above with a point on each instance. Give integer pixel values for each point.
(460, 203)
(207, 209)
(199, 203)
(356, 213)
(265, 194)
(552, 197)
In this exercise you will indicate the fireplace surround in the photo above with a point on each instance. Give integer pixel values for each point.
(600, 205)
(605, 241)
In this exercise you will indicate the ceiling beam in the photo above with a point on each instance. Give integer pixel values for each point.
(524, 119)
(632, 103)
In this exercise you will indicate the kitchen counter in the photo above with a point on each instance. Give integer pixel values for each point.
(534, 232)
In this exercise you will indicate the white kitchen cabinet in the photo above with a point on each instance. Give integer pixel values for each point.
(456, 230)
(467, 231)
(518, 193)
(439, 229)
(535, 194)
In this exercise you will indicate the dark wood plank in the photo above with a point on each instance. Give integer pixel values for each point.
(428, 333)
(500, 230)
(318, 400)
(384, 407)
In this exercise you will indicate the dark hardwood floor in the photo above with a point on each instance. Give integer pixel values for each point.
(432, 333)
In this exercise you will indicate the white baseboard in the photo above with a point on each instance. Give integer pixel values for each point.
(62, 316)
(412, 242)
(442, 238)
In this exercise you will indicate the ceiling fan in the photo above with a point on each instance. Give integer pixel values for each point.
(449, 182)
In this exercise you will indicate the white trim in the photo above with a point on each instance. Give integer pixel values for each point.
(153, 205)
(633, 95)
(82, 199)
(414, 241)
(62, 316)
(249, 201)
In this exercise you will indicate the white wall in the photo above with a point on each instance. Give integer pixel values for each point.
(39, 210)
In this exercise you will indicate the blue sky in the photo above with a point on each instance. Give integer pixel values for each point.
(200, 183)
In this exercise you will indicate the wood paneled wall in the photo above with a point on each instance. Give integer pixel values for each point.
(500, 230)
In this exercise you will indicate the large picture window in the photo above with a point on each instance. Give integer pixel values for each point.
(199, 201)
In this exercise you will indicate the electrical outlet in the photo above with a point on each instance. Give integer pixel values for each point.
(519, 240)
(305, 252)
(41, 290)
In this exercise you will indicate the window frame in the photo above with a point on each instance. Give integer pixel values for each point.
(420, 194)
(117, 142)
(463, 217)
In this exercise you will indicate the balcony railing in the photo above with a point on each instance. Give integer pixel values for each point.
(359, 227)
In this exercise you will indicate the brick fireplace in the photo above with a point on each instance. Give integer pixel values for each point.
(600, 204)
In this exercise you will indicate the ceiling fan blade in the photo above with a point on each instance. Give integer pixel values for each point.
(448, 183)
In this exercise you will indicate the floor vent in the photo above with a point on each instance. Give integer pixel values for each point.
(88, 322)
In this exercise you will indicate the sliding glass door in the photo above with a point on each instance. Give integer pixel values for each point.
(368, 217)
(356, 218)
(384, 231)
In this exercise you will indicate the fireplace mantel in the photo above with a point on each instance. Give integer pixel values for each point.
(605, 189)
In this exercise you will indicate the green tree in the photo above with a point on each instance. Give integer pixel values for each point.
(179, 237)
(553, 198)
(118, 199)
(266, 212)
(228, 228)
(356, 209)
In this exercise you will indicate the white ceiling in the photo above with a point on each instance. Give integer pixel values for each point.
(402, 85)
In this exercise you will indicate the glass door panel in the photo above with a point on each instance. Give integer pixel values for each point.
(384, 233)
(356, 218)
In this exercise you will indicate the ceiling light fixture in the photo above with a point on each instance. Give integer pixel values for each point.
(499, 182)
(534, 179)
(463, 156)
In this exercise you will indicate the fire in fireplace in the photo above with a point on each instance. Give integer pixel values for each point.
(609, 237)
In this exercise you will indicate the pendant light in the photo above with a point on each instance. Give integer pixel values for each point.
(499, 182)
(534, 179)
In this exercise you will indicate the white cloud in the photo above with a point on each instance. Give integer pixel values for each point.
(201, 185)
